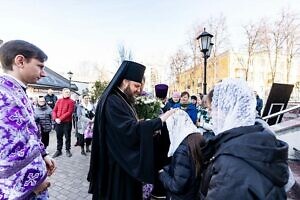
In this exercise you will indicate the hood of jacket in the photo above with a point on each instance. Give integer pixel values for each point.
(255, 145)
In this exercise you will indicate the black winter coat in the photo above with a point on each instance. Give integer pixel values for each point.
(179, 178)
(245, 163)
(43, 118)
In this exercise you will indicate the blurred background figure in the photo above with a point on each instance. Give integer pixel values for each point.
(75, 117)
(62, 114)
(173, 100)
(259, 103)
(194, 100)
(184, 104)
(43, 118)
(51, 99)
(85, 114)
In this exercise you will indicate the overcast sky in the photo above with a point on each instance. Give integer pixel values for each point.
(75, 31)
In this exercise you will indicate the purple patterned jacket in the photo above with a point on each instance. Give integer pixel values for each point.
(22, 167)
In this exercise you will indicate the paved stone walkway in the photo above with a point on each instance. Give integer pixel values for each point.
(69, 181)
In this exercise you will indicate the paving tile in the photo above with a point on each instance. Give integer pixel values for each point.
(69, 181)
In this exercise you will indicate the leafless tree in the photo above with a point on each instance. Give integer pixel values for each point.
(178, 62)
(292, 35)
(252, 32)
(193, 45)
(218, 28)
(123, 53)
(93, 71)
(272, 41)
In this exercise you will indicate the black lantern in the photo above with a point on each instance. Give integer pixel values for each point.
(205, 38)
(70, 74)
(205, 46)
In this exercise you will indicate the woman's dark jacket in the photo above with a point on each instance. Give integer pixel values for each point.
(179, 177)
(43, 118)
(245, 163)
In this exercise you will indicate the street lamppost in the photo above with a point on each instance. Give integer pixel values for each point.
(205, 46)
(70, 74)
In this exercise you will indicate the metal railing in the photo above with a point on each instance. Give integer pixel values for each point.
(281, 112)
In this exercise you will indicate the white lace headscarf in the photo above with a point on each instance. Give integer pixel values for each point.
(179, 126)
(233, 105)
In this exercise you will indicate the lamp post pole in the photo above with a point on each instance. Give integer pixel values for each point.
(205, 46)
(204, 78)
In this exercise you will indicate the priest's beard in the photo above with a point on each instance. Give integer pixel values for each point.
(130, 95)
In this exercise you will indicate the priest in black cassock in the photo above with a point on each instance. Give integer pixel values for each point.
(122, 150)
(161, 143)
(161, 92)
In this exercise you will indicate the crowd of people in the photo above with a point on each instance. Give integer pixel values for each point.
(25, 124)
(64, 115)
(167, 157)
(241, 160)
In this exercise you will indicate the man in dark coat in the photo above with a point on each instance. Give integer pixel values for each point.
(122, 150)
(51, 99)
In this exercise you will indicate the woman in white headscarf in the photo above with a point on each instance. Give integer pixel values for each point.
(244, 160)
(85, 114)
(181, 178)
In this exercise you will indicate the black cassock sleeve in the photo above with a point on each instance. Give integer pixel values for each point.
(130, 142)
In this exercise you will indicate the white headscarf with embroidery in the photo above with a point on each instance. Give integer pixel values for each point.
(179, 126)
(233, 105)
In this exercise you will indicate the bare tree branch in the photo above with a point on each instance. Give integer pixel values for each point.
(218, 28)
(123, 53)
(178, 63)
(272, 40)
(253, 32)
(292, 34)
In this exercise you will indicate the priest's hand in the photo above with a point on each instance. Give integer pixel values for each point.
(51, 165)
(167, 114)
